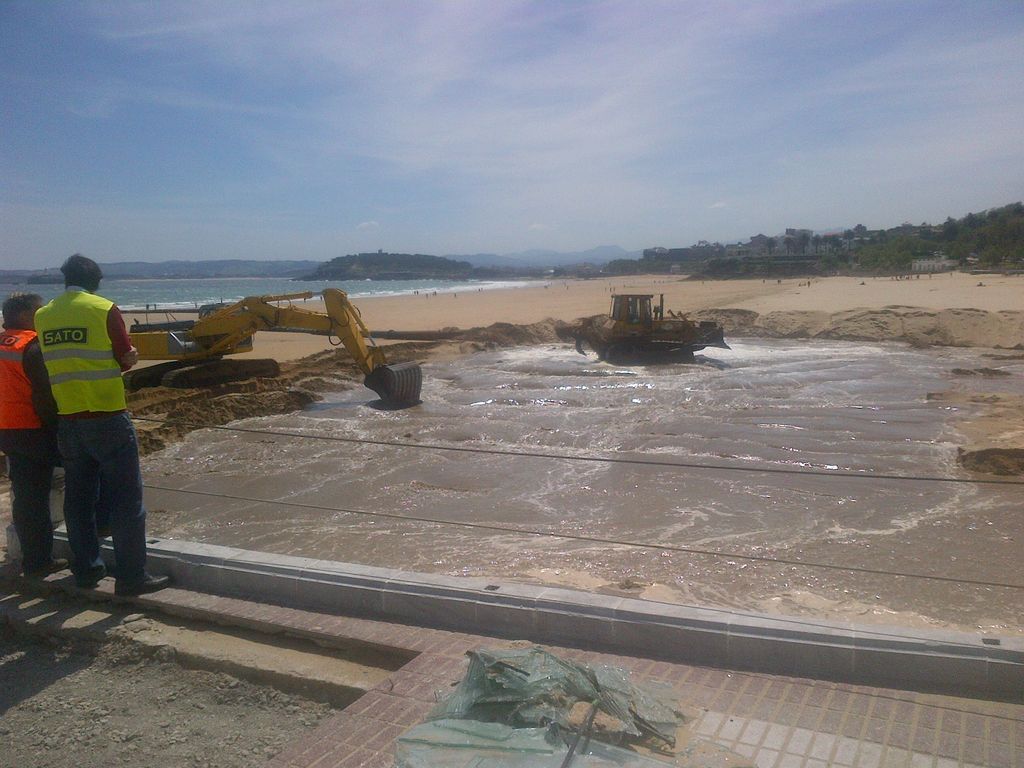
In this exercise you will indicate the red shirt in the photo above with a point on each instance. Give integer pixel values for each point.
(118, 334)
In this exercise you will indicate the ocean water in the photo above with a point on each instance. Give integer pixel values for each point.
(814, 405)
(189, 294)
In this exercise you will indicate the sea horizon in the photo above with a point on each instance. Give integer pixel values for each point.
(170, 294)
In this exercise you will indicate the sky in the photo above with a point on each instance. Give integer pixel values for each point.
(309, 130)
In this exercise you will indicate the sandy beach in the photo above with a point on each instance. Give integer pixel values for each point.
(789, 308)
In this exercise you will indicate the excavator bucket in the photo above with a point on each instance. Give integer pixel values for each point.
(397, 385)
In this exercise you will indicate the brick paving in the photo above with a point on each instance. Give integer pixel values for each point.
(775, 721)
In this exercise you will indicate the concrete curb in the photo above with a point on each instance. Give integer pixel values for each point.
(953, 663)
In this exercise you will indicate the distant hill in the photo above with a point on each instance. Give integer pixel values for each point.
(545, 258)
(391, 266)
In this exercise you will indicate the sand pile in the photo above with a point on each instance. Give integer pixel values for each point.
(993, 461)
(159, 423)
(947, 327)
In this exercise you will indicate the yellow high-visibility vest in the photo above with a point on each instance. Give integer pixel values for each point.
(79, 355)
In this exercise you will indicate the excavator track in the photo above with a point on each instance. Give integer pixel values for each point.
(182, 374)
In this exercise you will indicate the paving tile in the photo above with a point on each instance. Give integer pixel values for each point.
(754, 732)
(924, 740)
(896, 758)
(766, 758)
(799, 741)
(870, 755)
(927, 717)
(951, 722)
(974, 726)
(776, 690)
(899, 735)
(747, 750)
(875, 729)
(974, 751)
(1000, 756)
(775, 737)
(731, 729)
(949, 745)
(765, 709)
(999, 731)
(821, 746)
(709, 724)
(745, 704)
(904, 712)
(852, 726)
(846, 751)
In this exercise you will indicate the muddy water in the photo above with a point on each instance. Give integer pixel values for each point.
(824, 406)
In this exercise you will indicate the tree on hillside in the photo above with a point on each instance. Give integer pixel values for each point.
(770, 242)
(802, 241)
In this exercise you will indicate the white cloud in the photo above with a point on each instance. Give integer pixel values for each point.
(608, 121)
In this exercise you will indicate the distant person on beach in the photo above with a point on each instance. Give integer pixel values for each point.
(28, 433)
(86, 347)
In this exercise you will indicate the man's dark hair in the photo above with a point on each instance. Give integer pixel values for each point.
(17, 306)
(81, 271)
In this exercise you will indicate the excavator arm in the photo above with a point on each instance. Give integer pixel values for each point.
(229, 330)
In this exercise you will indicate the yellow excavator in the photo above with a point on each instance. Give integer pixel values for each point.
(193, 349)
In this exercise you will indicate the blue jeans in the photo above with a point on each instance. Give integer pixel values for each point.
(103, 453)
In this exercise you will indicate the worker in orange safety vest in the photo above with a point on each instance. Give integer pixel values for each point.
(28, 433)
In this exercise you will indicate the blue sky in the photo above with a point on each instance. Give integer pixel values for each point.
(218, 129)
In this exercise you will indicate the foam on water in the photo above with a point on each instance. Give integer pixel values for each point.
(782, 404)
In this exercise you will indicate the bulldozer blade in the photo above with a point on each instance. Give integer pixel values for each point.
(397, 385)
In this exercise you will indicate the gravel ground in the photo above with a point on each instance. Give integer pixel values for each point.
(76, 706)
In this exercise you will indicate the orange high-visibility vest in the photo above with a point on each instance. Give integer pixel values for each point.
(16, 411)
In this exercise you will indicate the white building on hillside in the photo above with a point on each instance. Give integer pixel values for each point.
(936, 263)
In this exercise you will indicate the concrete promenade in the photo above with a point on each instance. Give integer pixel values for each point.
(776, 721)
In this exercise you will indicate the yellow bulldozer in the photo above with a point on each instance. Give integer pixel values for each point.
(636, 331)
(193, 350)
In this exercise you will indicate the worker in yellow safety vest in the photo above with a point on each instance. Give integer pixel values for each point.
(86, 347)
(28, 434)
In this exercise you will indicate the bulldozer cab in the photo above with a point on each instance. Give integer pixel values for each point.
(632, 308)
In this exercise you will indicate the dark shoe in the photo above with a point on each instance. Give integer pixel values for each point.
(148, 584)
(90, 578)
(57, 564)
